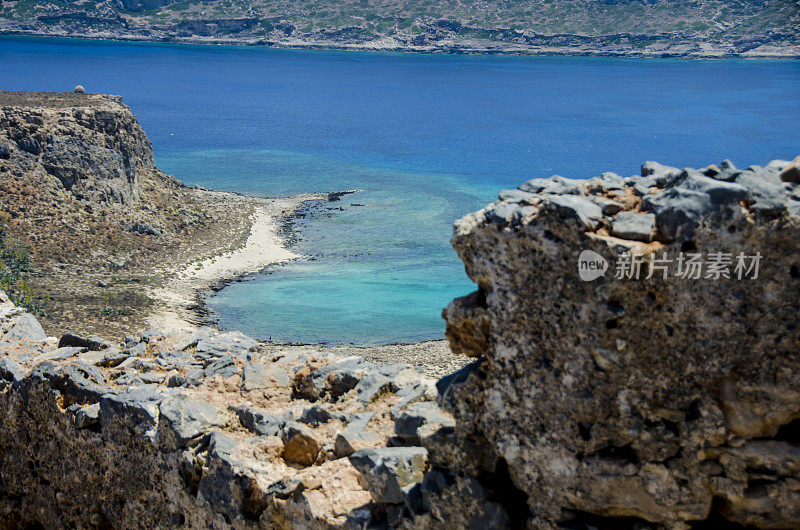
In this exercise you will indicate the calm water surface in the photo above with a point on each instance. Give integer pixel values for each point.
(427, 138)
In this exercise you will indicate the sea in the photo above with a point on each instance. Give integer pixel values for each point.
(424, 138)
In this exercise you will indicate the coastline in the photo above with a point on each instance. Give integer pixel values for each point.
(677, 50)
(180, 298)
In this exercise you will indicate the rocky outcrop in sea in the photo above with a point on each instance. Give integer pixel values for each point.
(636, 366)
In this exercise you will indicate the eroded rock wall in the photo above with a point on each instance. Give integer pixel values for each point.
(617, 401)
(91, 144)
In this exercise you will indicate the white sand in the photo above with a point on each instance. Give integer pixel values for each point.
(264, 247)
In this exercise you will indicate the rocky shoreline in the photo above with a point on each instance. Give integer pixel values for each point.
(607, 401)
(542, 45)
(154, 273)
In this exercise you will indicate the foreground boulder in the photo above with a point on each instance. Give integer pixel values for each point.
(639, 363)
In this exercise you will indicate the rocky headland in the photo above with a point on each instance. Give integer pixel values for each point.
(626, 394)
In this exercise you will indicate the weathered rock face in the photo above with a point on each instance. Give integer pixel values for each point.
(91, 144)
(203, 429)
(598, 399)
(670, 398)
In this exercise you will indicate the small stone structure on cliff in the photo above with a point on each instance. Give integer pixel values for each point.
(642, 397)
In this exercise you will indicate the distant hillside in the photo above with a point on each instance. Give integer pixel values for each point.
(615, 27)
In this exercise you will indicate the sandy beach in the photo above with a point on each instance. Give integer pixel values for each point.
(181, 294)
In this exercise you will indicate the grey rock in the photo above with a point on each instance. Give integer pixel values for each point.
(662, 174)
(224, 367)
(419, 420)
(260, 421)
(355, 436)
(516, 196)
(581, 208)
(23, 327)
(388, 470)
(111, 358)
(719, 191)
(91, 343)
(256, 375)
(188, 418)
(608, 206)
(764, 196)
(135, 409)
(136, 350)
(11, 370)
(315, 416)
(60, 354)
(300, 445)
(504, 212)
(175, 380)
(678, 211)
(87, 416)
(285, 488)
(555, 185)
(631, 225)
(791, 172)
(226, 344)
(151, 335)
(372, 386)
(349, 441)
(611, 181)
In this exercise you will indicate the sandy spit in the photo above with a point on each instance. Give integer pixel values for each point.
(182, 292)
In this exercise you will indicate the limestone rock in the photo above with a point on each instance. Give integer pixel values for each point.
(390, 469)
(664, 400)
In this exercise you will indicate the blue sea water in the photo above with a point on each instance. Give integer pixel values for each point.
(427, 138)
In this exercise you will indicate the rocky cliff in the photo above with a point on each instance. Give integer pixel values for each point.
(88, 223)
(630, 373)
(91, 144)
(638, 345)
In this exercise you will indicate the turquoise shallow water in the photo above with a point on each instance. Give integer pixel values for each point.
(427, 138)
